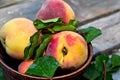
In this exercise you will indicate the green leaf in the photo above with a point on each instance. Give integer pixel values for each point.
(108, 76)
(29, 50)
(1, 74)
(91, 72)
(112, 70)
(44, 67)
(45, 40)
(54, 20)
(109, 65)
(99, 62)
(26, 53)
(115, 60)
(34, 39)
(74, 23)
(90, 33)
(64, 27)
(103, 64)
(55, 25)
(115, 63)
(40, 24)
(100, 77)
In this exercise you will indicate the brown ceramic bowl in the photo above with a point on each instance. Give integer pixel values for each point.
(10, 72)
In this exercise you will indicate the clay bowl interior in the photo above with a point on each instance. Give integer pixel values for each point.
(10, 65)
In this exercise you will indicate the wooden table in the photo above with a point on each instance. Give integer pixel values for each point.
(103, 14)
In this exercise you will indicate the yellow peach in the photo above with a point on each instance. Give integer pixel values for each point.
(15, 35)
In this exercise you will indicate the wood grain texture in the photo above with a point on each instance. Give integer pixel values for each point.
(27, 10)
(87, 9)
(84, 9)
(110, 38)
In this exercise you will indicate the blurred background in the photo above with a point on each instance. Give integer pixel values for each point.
(4, 3)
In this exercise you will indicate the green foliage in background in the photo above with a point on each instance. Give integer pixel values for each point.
(1, 74)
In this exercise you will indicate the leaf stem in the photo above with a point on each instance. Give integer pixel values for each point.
(104, 63)
(82, 33)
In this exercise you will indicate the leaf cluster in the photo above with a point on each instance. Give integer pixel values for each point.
(46, 66)
(103, 67)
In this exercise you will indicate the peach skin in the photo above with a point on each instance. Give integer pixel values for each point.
(24, 66)
(69, 49)
(56, 8)
(15, 35)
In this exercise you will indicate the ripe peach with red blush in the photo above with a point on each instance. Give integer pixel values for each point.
(69, 49)
(56, 8)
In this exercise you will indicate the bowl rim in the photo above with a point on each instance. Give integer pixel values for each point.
(90, 48)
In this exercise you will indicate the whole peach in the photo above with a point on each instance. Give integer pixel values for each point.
(69, 49)
(15, 35)
(56, 8)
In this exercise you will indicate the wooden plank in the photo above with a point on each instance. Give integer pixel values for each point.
(88, 9)
(4, 3)
(84, 9)
(110, 38)
(27, 10)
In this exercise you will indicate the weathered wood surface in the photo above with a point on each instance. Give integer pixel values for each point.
(85, 10)
(110, 38)
(27, 9)
(88, 9)
(4, 3)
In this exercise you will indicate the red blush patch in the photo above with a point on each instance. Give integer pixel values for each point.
(52, 47)
(70, 40)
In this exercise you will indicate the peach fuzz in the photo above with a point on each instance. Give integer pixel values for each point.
(69, 49)
(56, 8)
(23, 67)
(15, 35)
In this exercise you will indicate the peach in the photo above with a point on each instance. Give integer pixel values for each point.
(23, 66)
(15, 35)
(56, 8)
(69, 49)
